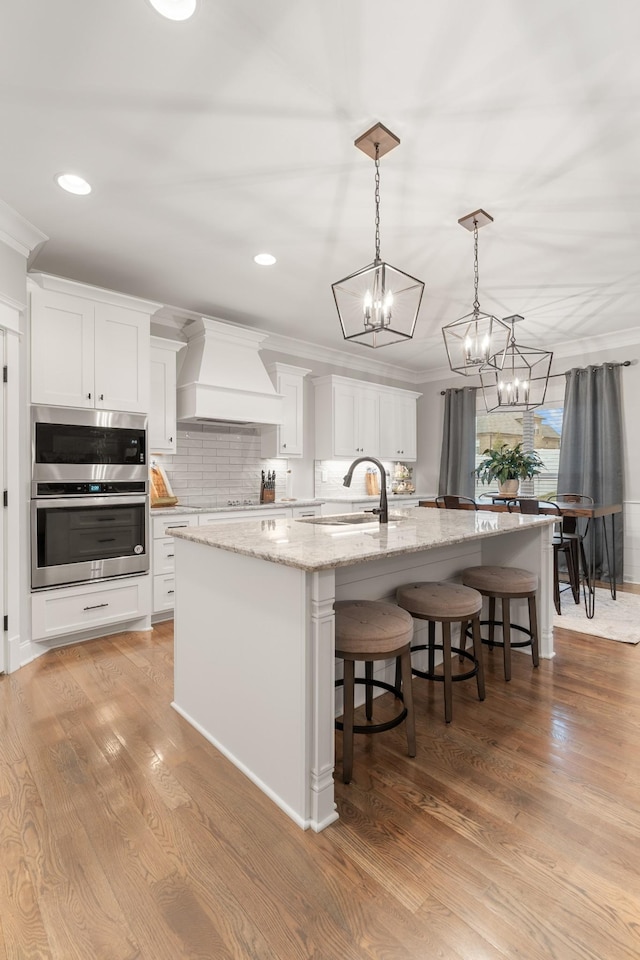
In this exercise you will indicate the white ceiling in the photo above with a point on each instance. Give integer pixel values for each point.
(210, 140)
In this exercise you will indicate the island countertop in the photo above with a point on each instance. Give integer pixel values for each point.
(313, 546)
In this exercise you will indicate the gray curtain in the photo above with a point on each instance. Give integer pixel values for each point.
(457, 460)
(591, 458)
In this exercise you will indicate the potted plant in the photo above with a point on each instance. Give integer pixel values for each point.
(508, 465)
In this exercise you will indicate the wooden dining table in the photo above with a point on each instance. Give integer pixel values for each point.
(589, 511)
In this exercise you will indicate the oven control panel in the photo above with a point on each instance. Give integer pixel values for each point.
(90, 488)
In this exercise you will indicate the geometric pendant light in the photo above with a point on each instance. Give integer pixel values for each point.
(477, 339)
(521, 384)
(378, 304)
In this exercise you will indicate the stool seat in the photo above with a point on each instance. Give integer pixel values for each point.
(446, 603)
(370, 630)
(440, 600)
(506, 584)
(371, 627)
(501, 581)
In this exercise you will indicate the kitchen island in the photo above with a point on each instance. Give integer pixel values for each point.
(254, 626)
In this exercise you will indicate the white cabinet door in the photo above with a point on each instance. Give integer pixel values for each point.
(122, 358)
(89, 347)
(62, 349)
(285, 439)
(355, 422)
(397, 427)
(345, 413)
(162, 407)
(290, 432)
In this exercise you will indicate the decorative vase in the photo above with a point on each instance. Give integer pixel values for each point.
(509, 488)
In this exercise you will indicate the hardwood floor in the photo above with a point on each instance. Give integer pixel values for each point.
(513, 834)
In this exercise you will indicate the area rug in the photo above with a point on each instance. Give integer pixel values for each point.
(614, 619)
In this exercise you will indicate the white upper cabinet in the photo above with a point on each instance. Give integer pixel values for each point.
(89, 347)
(357, 418)
(347, 418)
(285, 439)
(398, 425)
(162, 411)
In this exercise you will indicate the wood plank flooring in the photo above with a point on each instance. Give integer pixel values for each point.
(513, 834)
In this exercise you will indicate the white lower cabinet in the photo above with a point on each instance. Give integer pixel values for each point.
(162, 553)
(163, 543)
(89, 606)
(306, 511)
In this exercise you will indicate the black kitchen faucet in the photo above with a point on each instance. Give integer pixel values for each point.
(381, 511)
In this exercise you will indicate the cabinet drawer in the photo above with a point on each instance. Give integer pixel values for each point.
(162, 526)
(163, 554)
(74, 609)
(163, 593)
(306, 511)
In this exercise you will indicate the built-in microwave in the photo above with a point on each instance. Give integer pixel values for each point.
(89, 496)
(86, 446)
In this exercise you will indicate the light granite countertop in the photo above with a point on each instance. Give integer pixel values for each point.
(239, 507)
(312, 546)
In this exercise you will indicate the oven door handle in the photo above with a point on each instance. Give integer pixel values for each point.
(108, 500)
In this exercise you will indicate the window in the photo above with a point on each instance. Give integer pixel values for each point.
(539, 430)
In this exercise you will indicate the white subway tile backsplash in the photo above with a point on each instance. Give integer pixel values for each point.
(217, 464)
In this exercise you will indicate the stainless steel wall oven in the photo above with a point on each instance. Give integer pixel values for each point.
(89, 496)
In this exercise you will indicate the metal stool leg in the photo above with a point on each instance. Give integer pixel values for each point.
(506, 636)
(407, 691)
(347, 731)
(368, 672)
(446, 669)
(477, 652)
(533, 626)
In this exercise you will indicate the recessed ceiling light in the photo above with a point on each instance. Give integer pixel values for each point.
(265, 259)
(73, 184)
(175, 9)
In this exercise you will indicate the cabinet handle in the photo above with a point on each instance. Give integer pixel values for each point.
(101, 397)
(170, 591)
(170, 439)
(96, 606)
(175, 526)
(169, 555)
(106, 540)
(88, 396)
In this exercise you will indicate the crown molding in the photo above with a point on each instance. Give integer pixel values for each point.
(612, 340)
(18, 233)
(175, 319)
(340, 358)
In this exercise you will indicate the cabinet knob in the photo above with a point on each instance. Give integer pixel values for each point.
(88, 396)
(170, 439)
(284, 446)
(101, 397)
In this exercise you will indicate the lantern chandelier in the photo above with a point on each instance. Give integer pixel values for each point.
(477, 339)
(522, 382)
(378, 304)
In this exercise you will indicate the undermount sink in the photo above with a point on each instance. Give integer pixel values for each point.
(344, 519)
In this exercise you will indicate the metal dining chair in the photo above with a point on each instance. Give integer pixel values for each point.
(561, 545)
(452, 501)
(574, 530)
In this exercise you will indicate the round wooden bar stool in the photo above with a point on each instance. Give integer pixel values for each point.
(506, 584)
(370, 630)
(446, 603)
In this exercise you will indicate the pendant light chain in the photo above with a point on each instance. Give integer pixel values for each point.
(476, 302)
(377, 199)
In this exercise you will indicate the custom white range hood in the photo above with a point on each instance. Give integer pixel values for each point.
(222, 377)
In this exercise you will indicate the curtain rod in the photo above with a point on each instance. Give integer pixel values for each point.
(612, 363)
